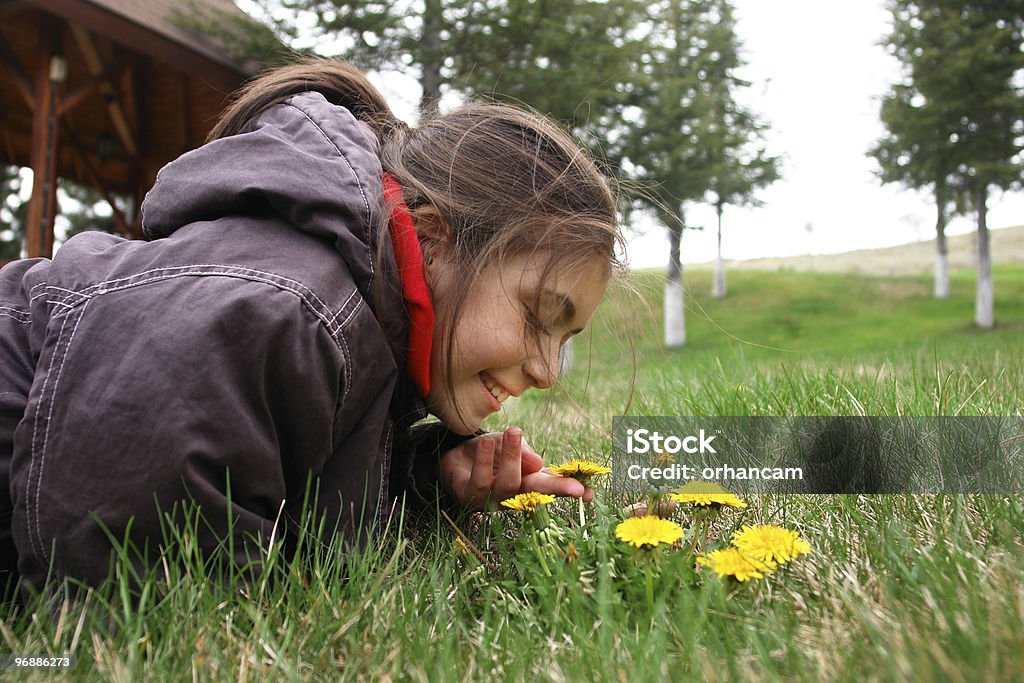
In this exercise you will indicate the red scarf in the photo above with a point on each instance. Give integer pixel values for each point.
(409, 259)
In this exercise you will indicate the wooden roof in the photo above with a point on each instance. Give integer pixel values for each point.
(153, 27)
(140, 88)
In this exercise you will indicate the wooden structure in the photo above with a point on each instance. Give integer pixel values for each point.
(105, 92)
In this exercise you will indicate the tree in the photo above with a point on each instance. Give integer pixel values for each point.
(733, 137)
(916, 152)
(12, 213)
(561, 57)
(965, 61)
(568, 59)
(689, 136)
(661, 149)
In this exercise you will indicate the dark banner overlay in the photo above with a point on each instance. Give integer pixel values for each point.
(820, 454)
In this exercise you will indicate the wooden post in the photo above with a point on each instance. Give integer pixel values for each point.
(51, 70)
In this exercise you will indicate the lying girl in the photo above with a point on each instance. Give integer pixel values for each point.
(318, 277)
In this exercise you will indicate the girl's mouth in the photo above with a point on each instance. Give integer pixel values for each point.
(494, 390)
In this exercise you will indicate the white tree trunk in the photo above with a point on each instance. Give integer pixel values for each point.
(941, 275)
(675, 320)
(675, 317)
(565, 358)
(984, 316)
(941, 249)
(718, 284)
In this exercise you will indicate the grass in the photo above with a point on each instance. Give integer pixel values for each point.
(924, 588)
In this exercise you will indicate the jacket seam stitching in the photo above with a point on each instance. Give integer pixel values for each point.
(309, 298)
(64, 350)
(359, 184)
(22, 316)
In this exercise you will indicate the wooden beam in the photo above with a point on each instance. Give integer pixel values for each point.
(21, 78)
(42, 205)
(76, 95)
(88, 171)
(114, 110)
(11, 158)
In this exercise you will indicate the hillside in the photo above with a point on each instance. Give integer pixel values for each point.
(906, 259)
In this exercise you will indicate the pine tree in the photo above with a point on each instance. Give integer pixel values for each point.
(732, 135)
(661, 149)
(965, 61)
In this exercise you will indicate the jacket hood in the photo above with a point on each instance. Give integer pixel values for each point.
(307, 160)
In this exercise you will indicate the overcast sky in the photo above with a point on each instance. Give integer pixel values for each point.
(818, 73)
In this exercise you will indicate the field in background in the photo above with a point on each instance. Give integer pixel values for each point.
(1007, 246)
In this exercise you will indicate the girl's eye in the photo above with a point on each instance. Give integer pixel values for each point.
(534, 322)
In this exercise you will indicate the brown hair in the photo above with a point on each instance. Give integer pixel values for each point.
(502, 180)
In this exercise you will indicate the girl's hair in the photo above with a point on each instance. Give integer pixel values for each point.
(503, 181)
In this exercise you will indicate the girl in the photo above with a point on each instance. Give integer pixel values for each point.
(317, 278)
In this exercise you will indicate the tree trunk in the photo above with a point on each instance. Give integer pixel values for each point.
(718, 286)
(675, 316)
(565, 358)
(983, 302)
(433, 57)
(941, 250)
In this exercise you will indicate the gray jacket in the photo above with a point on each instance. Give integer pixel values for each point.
(254, 342)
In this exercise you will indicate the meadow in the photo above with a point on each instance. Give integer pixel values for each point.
(897, 587)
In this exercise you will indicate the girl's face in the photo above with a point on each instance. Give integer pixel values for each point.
(504, 342)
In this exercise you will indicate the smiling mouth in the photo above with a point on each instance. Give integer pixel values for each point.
(496, 390)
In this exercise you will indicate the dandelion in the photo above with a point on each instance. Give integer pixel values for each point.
(579, 469)
(707, 494)
(528, 502)
(648, 531)
(646, 534)
(770, 543)
(733, 562)
(460, 546)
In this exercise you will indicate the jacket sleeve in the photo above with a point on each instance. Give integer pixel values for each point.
(214, 390)
(17, 366)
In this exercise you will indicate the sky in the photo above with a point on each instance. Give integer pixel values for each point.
(818, 73)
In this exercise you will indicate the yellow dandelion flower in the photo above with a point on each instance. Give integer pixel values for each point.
(649, 530)
(733, 562)
(770, 543)
(579, 468)
(705, 494)
(460, 546)
(528, 502)
(704, 499)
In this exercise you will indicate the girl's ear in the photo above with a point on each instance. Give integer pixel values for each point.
(431, 227)
(436, 238)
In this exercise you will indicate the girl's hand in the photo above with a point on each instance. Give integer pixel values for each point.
(496, 466)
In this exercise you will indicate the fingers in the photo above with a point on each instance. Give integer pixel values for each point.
(483, 471)
(545, 482)
(531, 462)
(509, 472)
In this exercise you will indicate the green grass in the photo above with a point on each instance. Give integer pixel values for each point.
(915, 588)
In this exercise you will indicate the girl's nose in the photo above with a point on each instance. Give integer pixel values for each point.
(542, 368)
